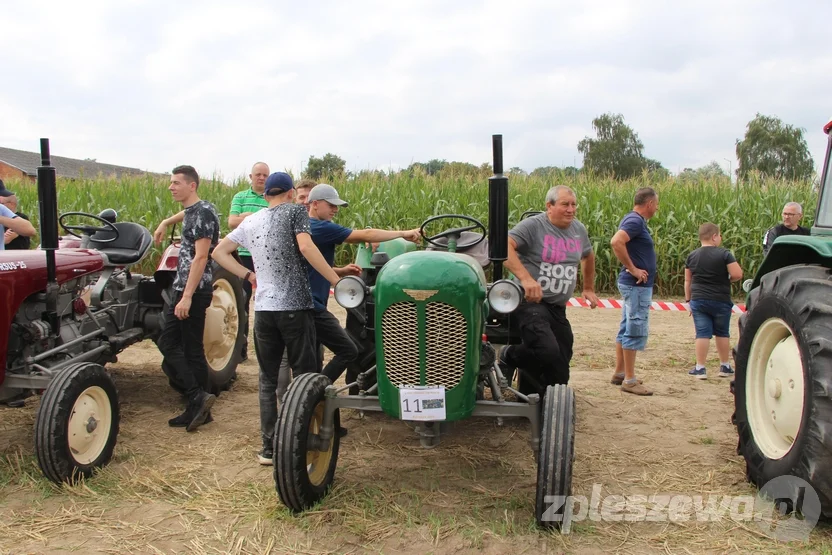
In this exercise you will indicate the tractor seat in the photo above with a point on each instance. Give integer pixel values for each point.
(132, 244)
(479, 252)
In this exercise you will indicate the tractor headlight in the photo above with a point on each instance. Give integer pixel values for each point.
(746, 285)
(504, 296)
(350, 292)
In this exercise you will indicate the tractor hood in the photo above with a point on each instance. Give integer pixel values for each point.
(454, 278)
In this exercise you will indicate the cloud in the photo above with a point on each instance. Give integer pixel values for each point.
(219, 85)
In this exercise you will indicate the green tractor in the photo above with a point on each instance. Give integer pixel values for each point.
(429, 321)
(783, 383)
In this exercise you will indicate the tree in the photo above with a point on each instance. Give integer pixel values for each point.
(774, 149)
(517, 170)
(545, 171)
(616, 151)
(328, 166)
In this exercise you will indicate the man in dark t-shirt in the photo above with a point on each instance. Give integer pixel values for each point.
(633, 245)
(181, 339)
(324, 203)
(709, 271)
(792, 214)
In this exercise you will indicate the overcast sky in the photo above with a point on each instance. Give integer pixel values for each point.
(220, 85)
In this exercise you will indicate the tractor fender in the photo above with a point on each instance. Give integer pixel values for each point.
(166, 270)
(794, 250)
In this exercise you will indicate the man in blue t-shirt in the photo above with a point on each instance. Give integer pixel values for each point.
(633, 245)
(324, 203)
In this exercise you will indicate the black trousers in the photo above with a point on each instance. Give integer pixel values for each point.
(248, 262)
(335, 338)
(274, 332)
(180, 342)
(546, 350)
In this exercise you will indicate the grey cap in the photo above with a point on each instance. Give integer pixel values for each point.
(322, 191)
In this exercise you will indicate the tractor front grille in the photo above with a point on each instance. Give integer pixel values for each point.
(445, 337)
(399, 331)
(445, 341)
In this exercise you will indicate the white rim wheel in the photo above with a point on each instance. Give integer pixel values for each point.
(222, 322)
(89, 425)
(775, 388)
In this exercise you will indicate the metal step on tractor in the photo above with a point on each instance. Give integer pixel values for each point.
(70, 308)
(427, 323)
(783, 384)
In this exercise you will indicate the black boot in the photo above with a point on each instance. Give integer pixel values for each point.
(199, 408)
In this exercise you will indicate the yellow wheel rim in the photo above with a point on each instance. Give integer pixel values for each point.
(89, 425)
(222, 322)
(317, 462)
(774, 388)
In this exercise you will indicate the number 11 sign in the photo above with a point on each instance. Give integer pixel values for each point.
(422, 403)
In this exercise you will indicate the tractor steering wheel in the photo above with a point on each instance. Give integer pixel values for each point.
(530, 213)
(457, 231)
(87, 229)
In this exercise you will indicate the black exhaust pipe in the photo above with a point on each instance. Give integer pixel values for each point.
(48, 206)
(498, 211)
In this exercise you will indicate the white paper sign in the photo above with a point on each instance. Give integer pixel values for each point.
(422, 403)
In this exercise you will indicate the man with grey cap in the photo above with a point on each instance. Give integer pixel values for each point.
(324, 203)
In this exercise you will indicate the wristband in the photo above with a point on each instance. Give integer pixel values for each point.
(245, 278)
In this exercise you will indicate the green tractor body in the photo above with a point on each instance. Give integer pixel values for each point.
(783, 383)
(429, 320)
(426, 323)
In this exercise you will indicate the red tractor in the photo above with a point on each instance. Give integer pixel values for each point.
(70, 310)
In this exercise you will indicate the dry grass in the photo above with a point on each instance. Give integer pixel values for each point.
(170, 492)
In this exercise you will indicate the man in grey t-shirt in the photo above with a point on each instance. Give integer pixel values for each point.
(544, 253)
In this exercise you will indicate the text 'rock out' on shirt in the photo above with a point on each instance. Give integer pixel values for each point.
(201, 222)
(282, 276)
(552, 255)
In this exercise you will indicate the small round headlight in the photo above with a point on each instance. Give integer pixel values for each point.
(746, 285)
(349, 292)
(504, 296)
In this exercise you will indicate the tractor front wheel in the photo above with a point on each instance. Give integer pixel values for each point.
(304, 468)
(784, 379)
(554, 463)
(77, 422)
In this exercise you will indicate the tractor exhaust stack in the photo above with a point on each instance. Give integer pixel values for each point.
(48, 205)
(498, 211)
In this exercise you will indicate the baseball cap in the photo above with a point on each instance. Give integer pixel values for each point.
(322, 191)
(3, 191)
(278, 182)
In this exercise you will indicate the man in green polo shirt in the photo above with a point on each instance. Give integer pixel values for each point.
(244, 204)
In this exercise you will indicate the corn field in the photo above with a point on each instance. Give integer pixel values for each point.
(743, 212)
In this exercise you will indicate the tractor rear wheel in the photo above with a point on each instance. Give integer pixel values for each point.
(224, 330)
(77, 422)
(784, 379)
(303, 473)
(554, 462)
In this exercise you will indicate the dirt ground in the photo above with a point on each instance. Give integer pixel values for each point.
(167, 491)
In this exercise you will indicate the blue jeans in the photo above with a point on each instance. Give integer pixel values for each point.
(711, 318)
(635, 317)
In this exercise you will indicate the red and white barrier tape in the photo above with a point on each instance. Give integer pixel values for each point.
(655, 305)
